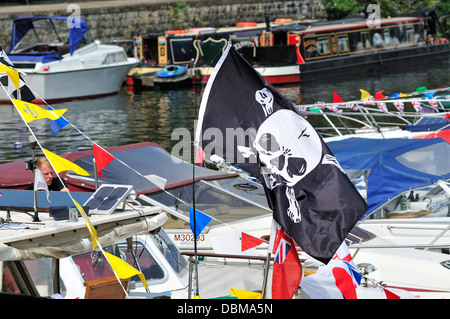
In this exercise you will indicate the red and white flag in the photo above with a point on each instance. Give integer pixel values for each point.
(287, 270)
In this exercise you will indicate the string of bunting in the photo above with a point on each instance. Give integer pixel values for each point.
(16, 88)
(398, 100)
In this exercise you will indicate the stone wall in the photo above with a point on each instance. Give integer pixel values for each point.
(121, 23)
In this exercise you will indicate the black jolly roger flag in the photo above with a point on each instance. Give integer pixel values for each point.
(245, 120)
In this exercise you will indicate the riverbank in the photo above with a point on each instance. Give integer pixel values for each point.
(121, 20)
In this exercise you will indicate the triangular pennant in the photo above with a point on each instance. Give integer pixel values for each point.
(248, 241)
(379, 95)
(201, 220)
(12, 74)
(365, 95)
(124, 270)
(429, 95)
(61, 164)
(31, 112)
(390, 294)
(89, 226)
(56, 125)
(102, 159)
(157, 180)
(337, 98)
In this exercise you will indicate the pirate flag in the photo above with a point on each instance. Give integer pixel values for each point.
(245, 120)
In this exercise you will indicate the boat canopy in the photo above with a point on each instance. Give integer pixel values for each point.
(146, 158)
(392, 166)
(22, 25)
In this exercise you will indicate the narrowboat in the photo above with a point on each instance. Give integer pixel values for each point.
(286, 51)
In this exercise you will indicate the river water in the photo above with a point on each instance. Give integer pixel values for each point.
(155, 115)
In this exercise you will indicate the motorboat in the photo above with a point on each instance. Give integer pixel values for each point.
(236, 204)
(287, 51)
(61, 60)
(47, 253)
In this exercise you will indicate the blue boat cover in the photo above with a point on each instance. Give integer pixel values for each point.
(393, 166)
(43, 57)
(427, 124)
(22, 25)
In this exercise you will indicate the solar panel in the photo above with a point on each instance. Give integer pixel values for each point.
(107, 197)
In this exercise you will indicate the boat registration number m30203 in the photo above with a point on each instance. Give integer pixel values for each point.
(186, 238)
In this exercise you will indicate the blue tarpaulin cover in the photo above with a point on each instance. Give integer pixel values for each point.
(22, 25)
(394, 165)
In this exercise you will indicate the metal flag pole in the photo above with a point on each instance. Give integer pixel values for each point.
(194, 226)
(33, 144)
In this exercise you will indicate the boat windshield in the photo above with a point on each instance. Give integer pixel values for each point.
(48, 35)
(226, 200)
(429, 201)
(40, 271)
(92, 265)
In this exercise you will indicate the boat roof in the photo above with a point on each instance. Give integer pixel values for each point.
(24, 24)
(345, 25)
(146, 158)
(393, 166)
(22, 237)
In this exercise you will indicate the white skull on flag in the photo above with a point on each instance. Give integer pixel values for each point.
(289, 151)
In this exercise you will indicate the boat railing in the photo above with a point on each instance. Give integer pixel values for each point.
(350, 117)
(408, 224)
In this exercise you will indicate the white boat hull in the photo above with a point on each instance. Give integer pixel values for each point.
(73, 84)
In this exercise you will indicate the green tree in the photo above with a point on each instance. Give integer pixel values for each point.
(338, 9)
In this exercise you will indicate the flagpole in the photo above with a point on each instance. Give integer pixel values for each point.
(195, 226)
(33, 144)
(267, 263)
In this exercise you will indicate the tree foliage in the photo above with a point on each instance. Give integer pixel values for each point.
(338, 9)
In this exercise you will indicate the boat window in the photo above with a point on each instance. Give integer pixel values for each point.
(410, 34)
(8, 282)
(218, 199)
(428, 159)
(343, 43)
(92, 265)
(323, 46)
(387, 37)
(170, 251)
(365, 40)
(115, 58)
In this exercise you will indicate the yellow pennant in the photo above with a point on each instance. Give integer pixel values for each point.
(13, 74)
(245, 294)
(60, 164)
(365, 95)
(124, 270)
(89, 226)
(31, 112)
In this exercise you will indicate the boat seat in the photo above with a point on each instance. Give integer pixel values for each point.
(106, 288)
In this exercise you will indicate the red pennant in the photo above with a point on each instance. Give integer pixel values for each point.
(337, 98)
(102, 158)
(248, 241)
(199, 156)
(390, 294)
(379, 95)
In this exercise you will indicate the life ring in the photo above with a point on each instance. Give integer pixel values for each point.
(175, 31)
(246, 24)
(283, 20)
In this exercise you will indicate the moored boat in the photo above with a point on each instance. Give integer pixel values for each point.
(62, 62)
(295, 51)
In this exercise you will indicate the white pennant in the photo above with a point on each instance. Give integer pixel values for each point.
(40, 183)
